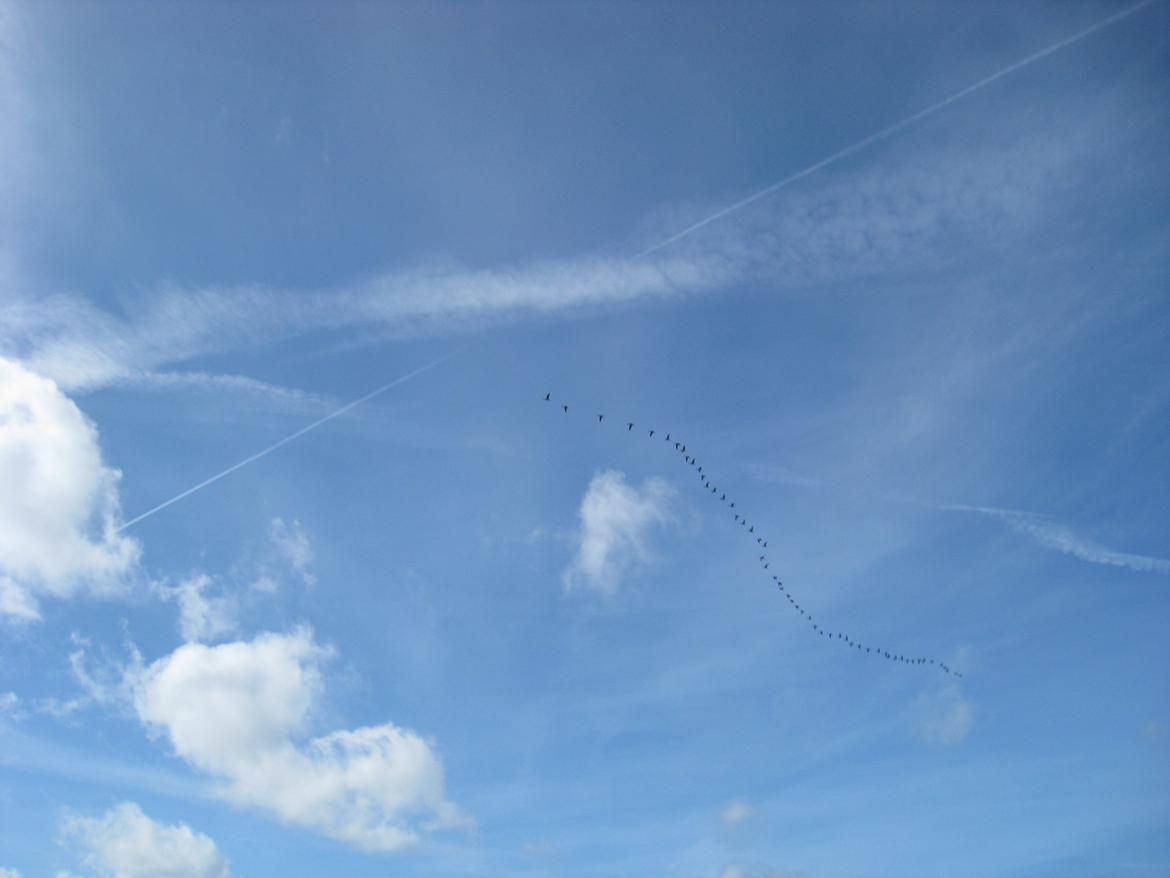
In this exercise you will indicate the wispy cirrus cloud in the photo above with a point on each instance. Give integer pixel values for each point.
(1053, 535)
(276, 396)
(903, 214)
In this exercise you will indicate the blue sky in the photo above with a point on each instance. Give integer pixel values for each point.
(456, 631)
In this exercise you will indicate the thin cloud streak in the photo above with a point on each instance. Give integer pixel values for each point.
(282, 442)
(902, 217)
(279, 397)
(890, 130)
(1053, 535)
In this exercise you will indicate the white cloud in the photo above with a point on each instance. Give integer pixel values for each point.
(293, 544)
(125, 843)
(256, 393)
(10, 708)
(236, 711)
(898, 215)
(202, 616)
(944, 715)
(9, 873)
(736, 812)
(1055, 536)
(16, 603)
(59, 508)
(615, 523)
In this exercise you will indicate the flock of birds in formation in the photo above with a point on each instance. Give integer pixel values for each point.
(749, 529)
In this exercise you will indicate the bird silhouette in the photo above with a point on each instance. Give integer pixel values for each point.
(546, 397)
(629, 426)
(600, 418)
(651, 434)
(566, 408)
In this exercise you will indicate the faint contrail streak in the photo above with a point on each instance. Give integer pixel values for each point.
(287, 439)
(896, 127)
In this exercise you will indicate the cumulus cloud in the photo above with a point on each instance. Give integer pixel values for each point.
(944, 715)
(59, 508)
(125, 843)
(293, 544)
(202, 615)
(616, 520)
(239, 712)
(9, 873)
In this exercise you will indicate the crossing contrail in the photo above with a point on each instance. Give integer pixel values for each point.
(897, 126)
(287, 439)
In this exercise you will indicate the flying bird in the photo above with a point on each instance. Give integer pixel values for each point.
(705, 478)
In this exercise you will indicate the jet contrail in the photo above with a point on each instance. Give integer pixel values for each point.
(897, 126)
(289, 438)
